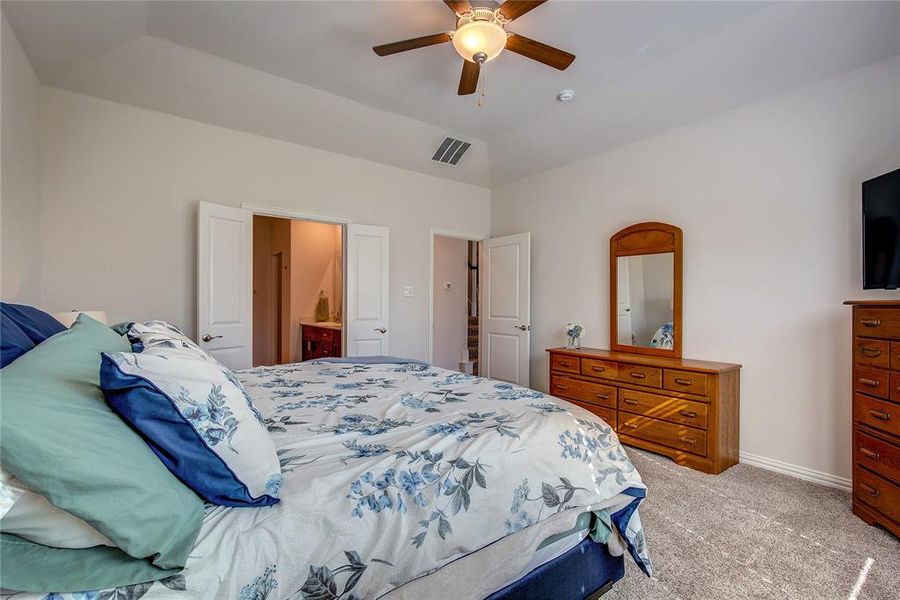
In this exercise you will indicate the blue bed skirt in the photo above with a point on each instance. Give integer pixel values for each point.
(575, 575)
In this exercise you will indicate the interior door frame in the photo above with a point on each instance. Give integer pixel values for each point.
(471, 237)
(299, 215)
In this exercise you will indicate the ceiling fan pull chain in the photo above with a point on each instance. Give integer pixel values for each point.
(482, 95)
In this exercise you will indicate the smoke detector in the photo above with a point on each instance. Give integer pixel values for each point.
(565, 95)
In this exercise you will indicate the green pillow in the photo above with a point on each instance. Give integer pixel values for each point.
(58, 436)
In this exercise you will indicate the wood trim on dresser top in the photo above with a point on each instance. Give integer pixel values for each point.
(685, 409)
(875, 395)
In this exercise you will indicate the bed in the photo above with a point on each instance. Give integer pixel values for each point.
(403, 480)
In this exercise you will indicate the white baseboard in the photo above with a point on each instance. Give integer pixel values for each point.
(803, 473)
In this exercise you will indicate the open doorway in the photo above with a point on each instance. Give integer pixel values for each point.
(455, 303)
(298, 290)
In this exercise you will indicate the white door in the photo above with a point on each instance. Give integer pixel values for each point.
(368, 284)
(224, 294)
(506, 308)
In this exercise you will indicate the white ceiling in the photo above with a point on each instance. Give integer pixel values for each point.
(275, 68)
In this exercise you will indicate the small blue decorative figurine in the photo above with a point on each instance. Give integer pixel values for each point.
(574, 332)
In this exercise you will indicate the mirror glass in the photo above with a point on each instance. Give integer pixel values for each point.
(645, 300)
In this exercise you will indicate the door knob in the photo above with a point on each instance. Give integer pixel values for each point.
(522, 327)
(381, 329)
(208, 338)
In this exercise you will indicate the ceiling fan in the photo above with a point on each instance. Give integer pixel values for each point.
(480, 36)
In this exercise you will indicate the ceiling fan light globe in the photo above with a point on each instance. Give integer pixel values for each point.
(479, 37)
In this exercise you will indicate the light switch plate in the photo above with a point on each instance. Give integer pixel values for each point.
(448, 285)
(407, 290)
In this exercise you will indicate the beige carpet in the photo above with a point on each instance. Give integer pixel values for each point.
(751, 533)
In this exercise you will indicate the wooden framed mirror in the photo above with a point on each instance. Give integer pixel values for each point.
(645, 272)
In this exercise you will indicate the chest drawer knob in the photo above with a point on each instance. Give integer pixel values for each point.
(870, 453)
(868, 382)
(871, 323)
(628, 400)
(603, 396)
(683, 381)
(597, 369)
(688, 413)
(630, 425)
(638, 375)
(565, 363)
(688, 440)
(870, 352)
(560, 386)
(881, 415)
(870, 490)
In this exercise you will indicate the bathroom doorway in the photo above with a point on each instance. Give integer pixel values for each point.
(298, 290)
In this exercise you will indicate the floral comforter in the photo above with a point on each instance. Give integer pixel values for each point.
(392, 471)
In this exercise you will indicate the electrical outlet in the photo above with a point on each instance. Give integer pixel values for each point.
(407, 290)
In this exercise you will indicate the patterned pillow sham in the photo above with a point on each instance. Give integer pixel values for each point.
(31, 516)
(197, 418)
(158, 333)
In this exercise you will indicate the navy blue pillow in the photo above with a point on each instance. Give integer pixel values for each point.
(13, 341)
(36, 324)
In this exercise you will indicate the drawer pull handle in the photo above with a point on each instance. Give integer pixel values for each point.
(598, 369)
(881, 415)
(688, 413)
(637, 375)
(603, 396)
(870, 490)
(560, 386)
(630, 425)
(688, 440)
(683, 381)
(629, 401)
(871, 322)
(565, 363)
(870, 453)
(871, 352)
(868, 382)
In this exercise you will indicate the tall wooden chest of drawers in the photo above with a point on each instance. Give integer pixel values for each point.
(876, 412)
(687, 410)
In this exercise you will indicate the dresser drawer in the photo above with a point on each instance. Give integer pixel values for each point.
(884, 416)
(668, 434)
(594, 367)
(585, 391)
(876, 322)
(872, 353)
(895, 356)
(675, 410)
(649, 376)
(685, 381)
(877, 492)
(561, 362)
(607, 414)
(895, 386)
(872, 380)
(877, 455)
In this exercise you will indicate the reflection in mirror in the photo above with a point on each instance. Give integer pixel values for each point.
(645, 300)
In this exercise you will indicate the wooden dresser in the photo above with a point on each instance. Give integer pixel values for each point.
(876, 413)
(687, 410)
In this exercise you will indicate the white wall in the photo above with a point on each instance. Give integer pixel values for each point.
(20, 193)
(451, 317)
(120, 187)
(769, 200)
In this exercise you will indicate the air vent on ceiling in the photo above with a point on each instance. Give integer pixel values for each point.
(450, 151)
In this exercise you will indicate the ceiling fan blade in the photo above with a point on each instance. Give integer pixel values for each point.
(420, 42)
(554, 57)
(459, 6)
(468, 81)
(513, 9)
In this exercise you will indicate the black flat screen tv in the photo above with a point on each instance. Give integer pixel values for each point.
(881, 232)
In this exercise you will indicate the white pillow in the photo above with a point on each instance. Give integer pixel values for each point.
(31, 516)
